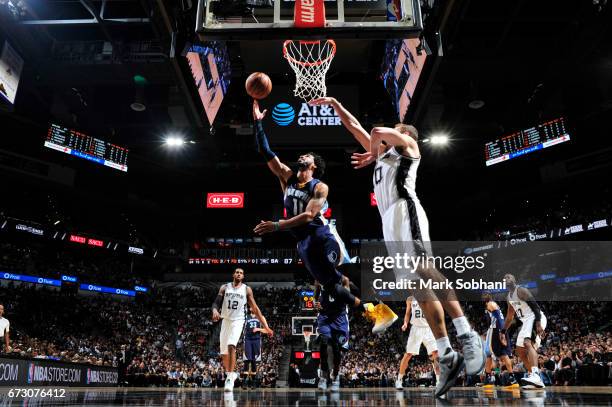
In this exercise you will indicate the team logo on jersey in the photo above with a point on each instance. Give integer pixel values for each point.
(283, 114)
(332, 256)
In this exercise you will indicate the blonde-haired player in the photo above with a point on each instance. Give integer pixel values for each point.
(233, 299)
(420, 334)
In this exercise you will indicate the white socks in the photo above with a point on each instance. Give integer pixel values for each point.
(443, 344)
(461, 325)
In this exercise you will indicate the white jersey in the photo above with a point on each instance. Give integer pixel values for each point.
(394, 178)
(234, 302)
(417, 318)
(521, 308)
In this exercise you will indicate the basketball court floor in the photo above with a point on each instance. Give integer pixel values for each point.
(464, 396)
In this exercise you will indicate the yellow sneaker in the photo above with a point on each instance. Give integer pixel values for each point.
(511, 386)
(385, 317)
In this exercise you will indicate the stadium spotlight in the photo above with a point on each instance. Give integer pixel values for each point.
(439, 139)
(174, 141)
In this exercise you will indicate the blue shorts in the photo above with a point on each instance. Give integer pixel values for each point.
(252, 349)
(335, 328)
(322, 251)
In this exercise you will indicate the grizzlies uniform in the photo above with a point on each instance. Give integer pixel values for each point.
(493, 344)
(525, 314)
(332, 321)
(319, 245)
(252, 340)
(405, 224)
(420, 332)
(233, 312)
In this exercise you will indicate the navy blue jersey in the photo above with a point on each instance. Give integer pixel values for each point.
(251, 324)
(329, 307)
(296, 201)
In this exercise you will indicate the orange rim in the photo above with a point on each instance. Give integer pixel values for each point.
(302, 63)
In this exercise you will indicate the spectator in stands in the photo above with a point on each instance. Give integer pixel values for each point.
(4, 330)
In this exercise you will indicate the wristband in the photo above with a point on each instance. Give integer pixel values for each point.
(276, 226)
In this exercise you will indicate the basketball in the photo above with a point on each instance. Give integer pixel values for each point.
(258, 85)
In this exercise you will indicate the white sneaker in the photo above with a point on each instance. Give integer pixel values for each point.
(229, 381)
(451, 364)
(534, 380)
(322, 384)
(399, 385)
(335, 386)
(473, 352)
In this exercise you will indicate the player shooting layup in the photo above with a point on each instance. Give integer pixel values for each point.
(397, 157)
(232, 299)
(319, 246)
(522, 304)
(420, 333)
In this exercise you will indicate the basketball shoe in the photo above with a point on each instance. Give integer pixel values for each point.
(382, 316)
(451, 364)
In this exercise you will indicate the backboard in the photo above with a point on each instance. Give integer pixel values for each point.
(273, 20)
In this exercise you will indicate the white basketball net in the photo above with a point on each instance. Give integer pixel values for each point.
(310, 61)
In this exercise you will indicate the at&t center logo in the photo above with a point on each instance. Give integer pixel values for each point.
(283, 114)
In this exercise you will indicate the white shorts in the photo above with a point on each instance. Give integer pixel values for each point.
(230, 333)
(406, 230)
(421, 335)
(528, 331)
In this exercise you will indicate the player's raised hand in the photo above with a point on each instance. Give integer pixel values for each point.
(362, 160)
(257, 113)
(265, 226)
(322, 101)
(216, 316)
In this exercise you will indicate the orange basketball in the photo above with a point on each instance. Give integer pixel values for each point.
(258, 85)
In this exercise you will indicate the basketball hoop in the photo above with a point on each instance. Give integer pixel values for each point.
(310, 61)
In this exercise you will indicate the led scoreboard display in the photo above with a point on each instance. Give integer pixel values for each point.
(81, 145)
(523, 142)
(307, 300)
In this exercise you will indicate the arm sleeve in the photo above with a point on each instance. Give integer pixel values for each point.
(499, 318)
(535, 308)
(263, 147)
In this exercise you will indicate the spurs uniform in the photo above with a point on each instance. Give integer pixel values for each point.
(233, 312)
(420, 332)
(405, 224)
(525, 314)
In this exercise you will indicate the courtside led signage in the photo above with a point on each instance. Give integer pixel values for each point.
(78, 239)
(225, 200)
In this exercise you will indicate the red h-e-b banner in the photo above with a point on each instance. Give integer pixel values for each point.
(225, 200)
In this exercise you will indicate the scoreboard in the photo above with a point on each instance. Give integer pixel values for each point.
(523, 142)
(83, 146)
(307, 300)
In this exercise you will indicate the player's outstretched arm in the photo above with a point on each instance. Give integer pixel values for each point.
(282, 171)
(393, 138)
(217, 304)
(257, 312)
(348, 120)
(312, 209)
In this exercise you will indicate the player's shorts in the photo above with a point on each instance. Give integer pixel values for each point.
(528, 331)
(406, 230)
(322, 251)
(421, 335)
(252, 350)
(497, 348)
(335, 328)
(230, 333)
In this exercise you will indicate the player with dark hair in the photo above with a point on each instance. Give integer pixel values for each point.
(333, 327)
(395, 153)
(232, 299)
(497, 344)
(319, 246)
(522, 304)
